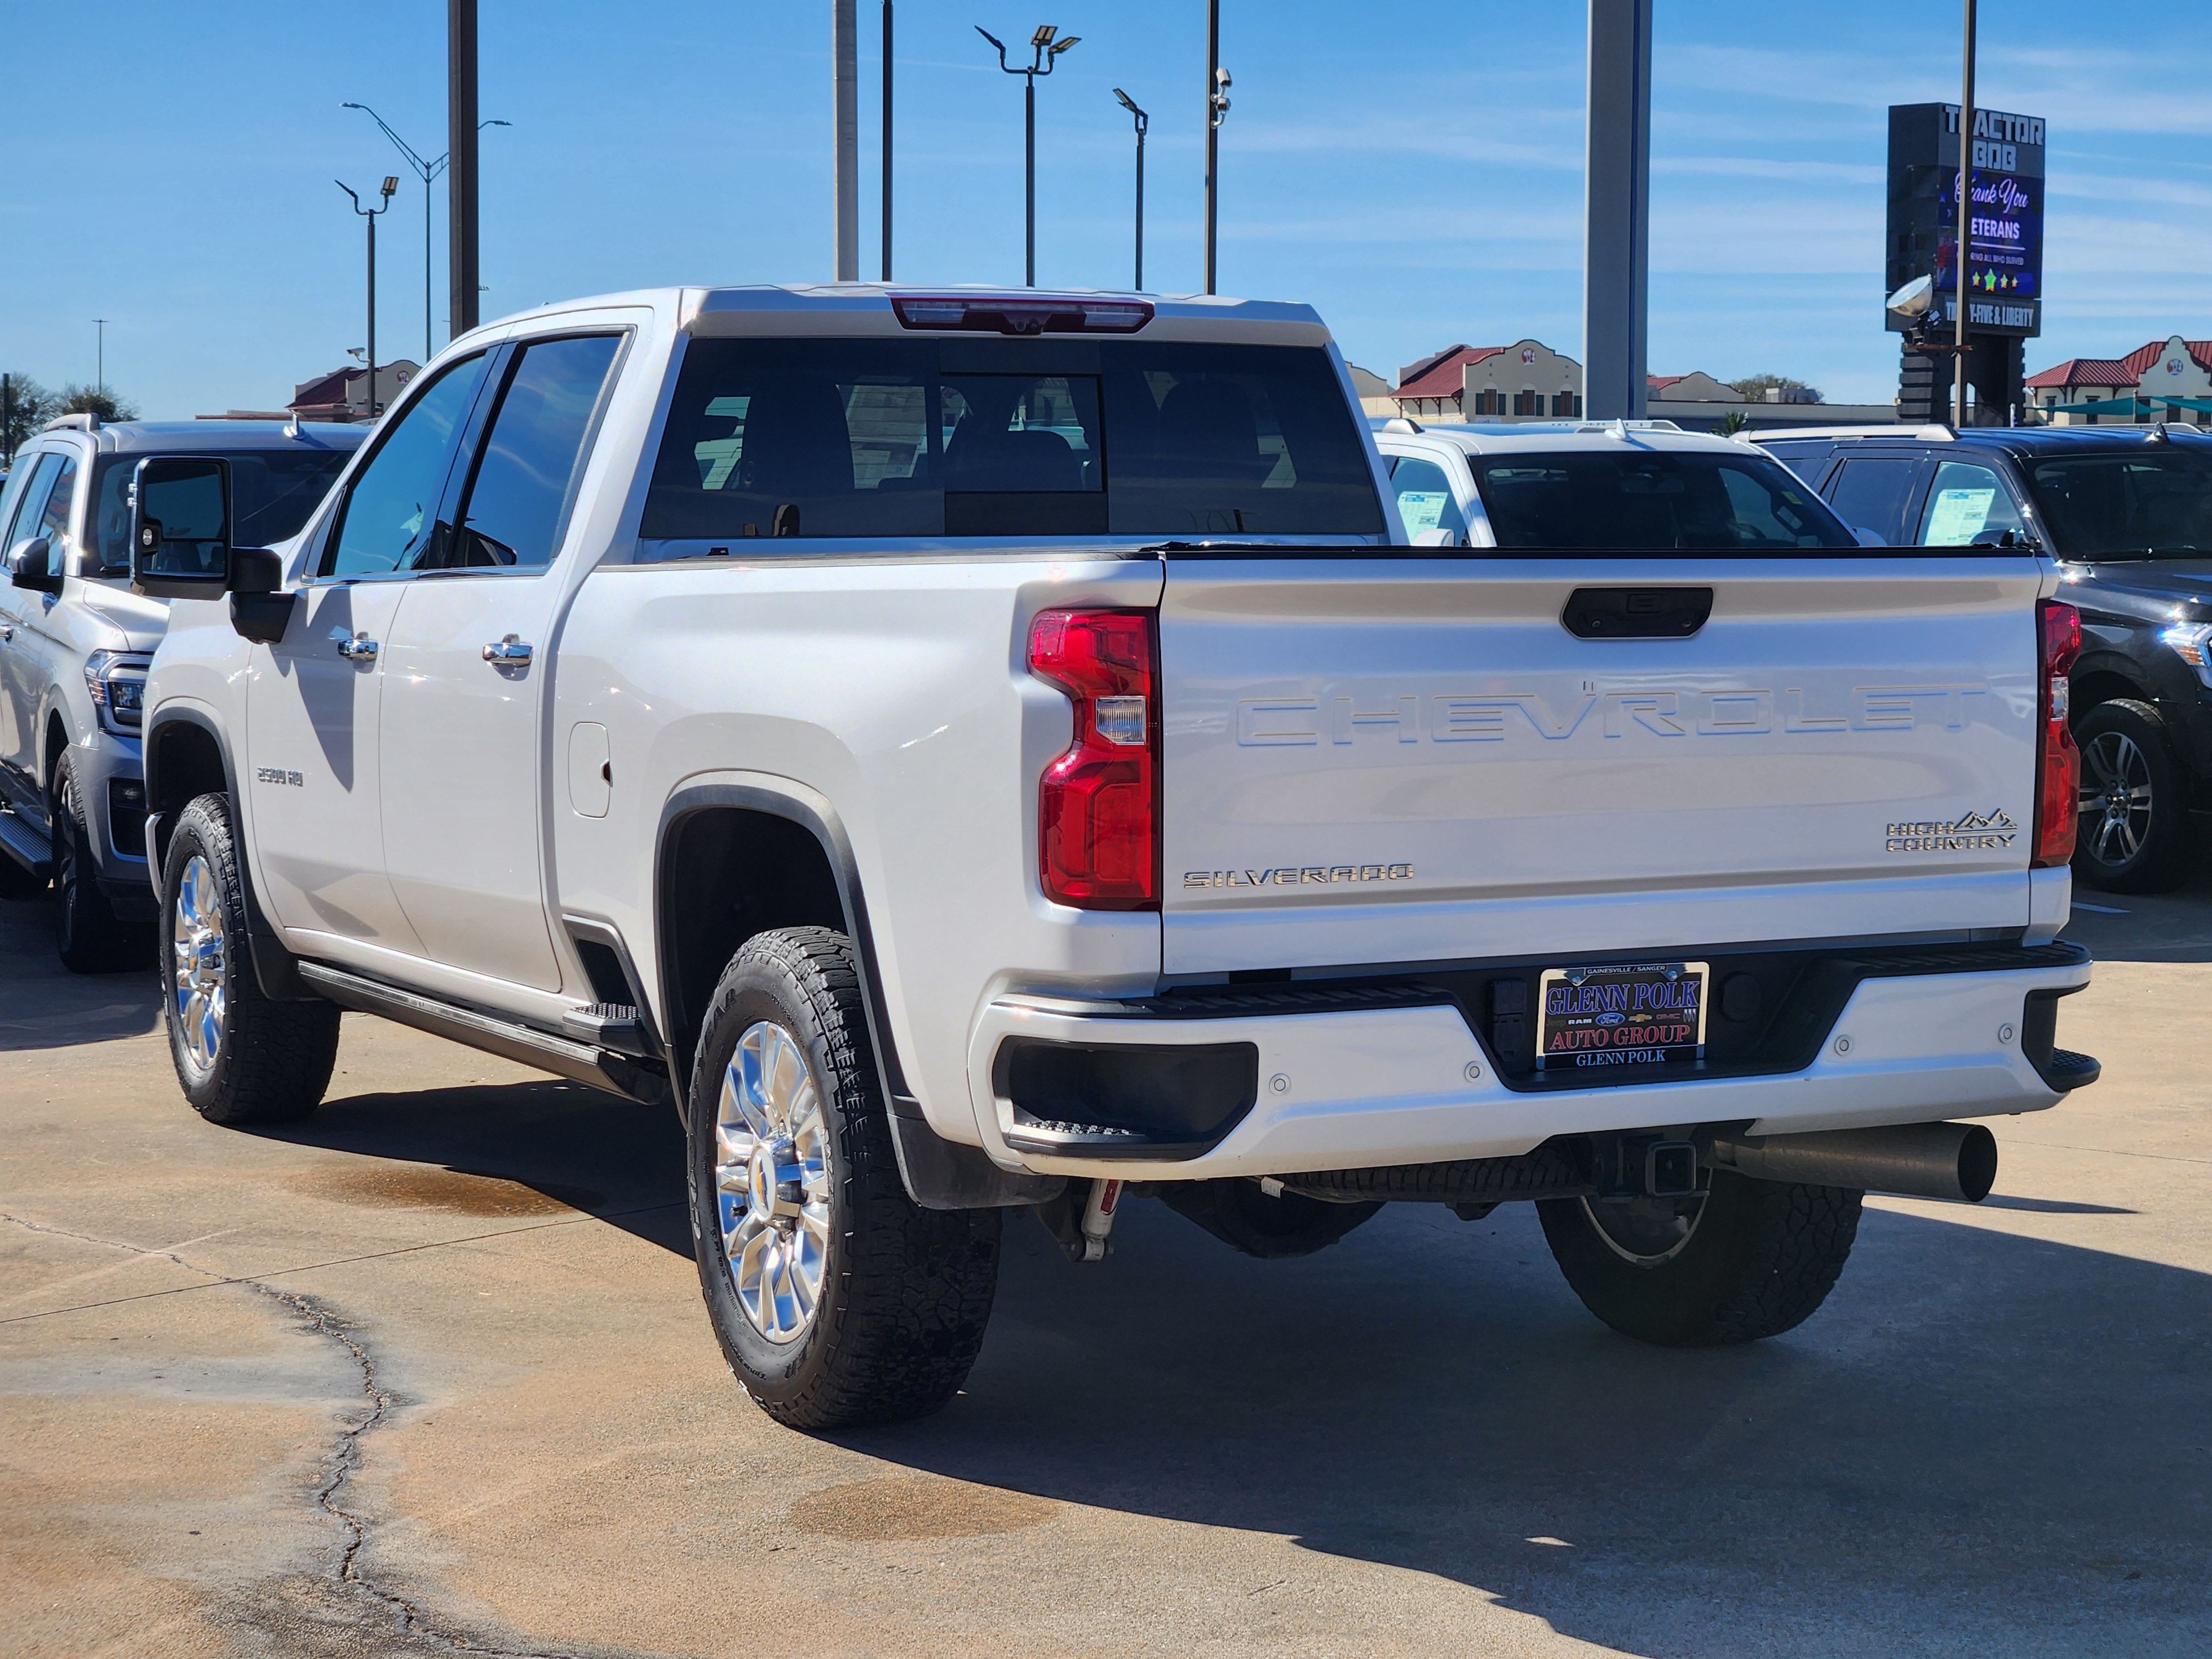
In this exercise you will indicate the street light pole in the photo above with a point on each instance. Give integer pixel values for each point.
(1144, 124)
(461, 146)
(1966, 218)
(1217, 110)
(428, 172)
(100, 357)
(887, 140)
(391, 185)
(1044, 53)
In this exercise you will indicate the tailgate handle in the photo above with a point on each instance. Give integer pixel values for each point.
(1636, 613)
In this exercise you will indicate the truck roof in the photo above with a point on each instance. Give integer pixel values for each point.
(865, 308)
(1551, 436)
(214, 437)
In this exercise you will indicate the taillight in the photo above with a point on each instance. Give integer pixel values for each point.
(2059, 765)
(1098, 845)
(973, 313)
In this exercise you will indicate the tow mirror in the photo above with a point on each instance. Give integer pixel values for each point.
(31, 564)
(180, 526)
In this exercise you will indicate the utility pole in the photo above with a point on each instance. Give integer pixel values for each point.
(1966, 218)
(845, 110)
(887, 140)
(1144, 125)
(461, 145)
(1617, 209)
(1044, 53)
(1216, 110)
(390, 185)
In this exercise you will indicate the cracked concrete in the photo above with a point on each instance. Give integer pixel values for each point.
(427, 1375)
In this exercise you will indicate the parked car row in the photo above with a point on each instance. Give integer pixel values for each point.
(976, 751)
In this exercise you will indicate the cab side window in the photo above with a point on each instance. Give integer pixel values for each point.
(30, 500)
(1968, 504)
(533, 456)
(389, 519)
(53, 523)
(1869, 492)
(1426, 501)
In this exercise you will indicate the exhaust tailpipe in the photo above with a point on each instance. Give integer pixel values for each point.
(1920, 1160)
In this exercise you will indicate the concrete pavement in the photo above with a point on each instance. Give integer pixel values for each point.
(429, 1374)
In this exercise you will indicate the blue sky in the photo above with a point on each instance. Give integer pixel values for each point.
(1412, 169)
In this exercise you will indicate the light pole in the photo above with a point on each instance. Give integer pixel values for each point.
(427, 172)
(1217, 110)
(1144, 124)
(1044, 52)
(1965, 219)
(391, 185)
(887, 140)
(99, 355)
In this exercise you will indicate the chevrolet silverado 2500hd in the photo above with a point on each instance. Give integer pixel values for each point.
(976, 751)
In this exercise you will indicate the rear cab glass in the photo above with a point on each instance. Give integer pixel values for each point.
(859, 438)
(1651, 498)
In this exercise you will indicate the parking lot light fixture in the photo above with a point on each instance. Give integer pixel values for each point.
(428, 172)
(1044, 52)
(372, 214)
(1144, 124)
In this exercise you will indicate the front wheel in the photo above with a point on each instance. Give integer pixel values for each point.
(1748, 1259)
(241, 1058)
(2133, 837)
(837, 1300)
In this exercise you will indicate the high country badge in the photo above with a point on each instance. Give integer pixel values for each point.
(1977, 832)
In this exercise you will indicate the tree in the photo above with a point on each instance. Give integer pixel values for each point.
(1754, 386)
(93, 400)
(30, 406)
(1733, 422)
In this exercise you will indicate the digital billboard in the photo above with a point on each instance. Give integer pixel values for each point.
(2003, 220)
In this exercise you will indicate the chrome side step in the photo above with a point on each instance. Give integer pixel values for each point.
(20, 843)
(616, 1073)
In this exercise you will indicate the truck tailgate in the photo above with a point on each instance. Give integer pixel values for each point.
(1399, 759)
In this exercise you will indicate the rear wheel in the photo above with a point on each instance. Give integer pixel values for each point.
(241, 1058)
(837, 1300)
(91, 937)
(2134, 833)
(1748, 1259)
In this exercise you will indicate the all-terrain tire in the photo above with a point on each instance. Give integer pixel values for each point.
(1758, 1258)
(2125, 843)
(261, 1061)
(904, 1292)
(1236, 1212)
(91, 938)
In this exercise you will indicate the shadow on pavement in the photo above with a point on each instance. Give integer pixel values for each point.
(582, 1148)
(46, 1006)
(2174, 927)
(1983, 1444)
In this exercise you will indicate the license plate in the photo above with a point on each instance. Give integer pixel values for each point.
(1646, 1014)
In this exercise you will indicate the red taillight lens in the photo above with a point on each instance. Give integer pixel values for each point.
(2058, 767)
(1098, 845)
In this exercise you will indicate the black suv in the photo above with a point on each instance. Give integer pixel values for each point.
(2128, 513)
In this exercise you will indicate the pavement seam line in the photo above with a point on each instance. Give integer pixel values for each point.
(215, 1280)
(345, 1459)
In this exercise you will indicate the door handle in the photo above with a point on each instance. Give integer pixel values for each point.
(508, 652)
(359, 648)
(7, 632)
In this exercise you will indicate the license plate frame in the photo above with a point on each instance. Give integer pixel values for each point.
(1593, 1023)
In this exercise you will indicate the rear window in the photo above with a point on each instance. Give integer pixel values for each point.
(861, 438)
(1651, 499)
(272, 493)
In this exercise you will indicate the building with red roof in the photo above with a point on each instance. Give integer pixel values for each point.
(2163, 379)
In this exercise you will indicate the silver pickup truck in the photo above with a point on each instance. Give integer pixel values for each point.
(976, 751)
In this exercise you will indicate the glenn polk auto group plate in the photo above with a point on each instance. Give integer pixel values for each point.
(1644, 1014)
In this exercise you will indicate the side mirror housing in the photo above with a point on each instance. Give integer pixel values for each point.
(31, 564)
(180, 526)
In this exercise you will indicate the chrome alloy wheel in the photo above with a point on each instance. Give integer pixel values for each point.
(1646, 1231)
(2116, 798)
(200, 955)
(772, 1183)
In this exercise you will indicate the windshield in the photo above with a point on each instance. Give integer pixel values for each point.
(853, 438)
(2136, 503)
(272, 492)
(1653, 498)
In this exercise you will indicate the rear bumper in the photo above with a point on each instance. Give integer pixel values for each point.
(1391, 1085)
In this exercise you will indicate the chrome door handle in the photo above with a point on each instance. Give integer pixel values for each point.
(509, 652)
(6, 633)
(359, 648)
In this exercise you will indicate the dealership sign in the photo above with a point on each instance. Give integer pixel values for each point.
(2002, 222)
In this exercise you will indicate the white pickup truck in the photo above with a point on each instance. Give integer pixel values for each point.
(974, 751)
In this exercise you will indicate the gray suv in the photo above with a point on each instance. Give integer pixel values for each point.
(74, 643)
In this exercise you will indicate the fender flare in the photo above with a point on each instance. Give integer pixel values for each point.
(939, 1174)
(275, 967)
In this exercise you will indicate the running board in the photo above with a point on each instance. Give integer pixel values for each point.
(20, 843)
(613, 1072)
